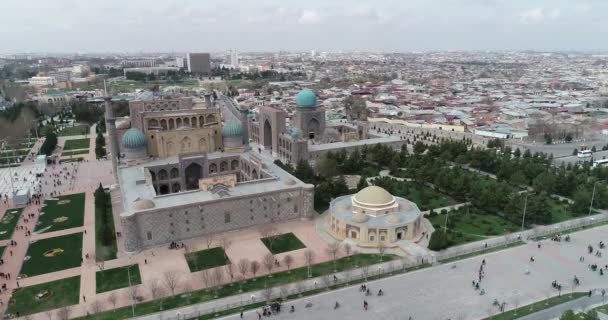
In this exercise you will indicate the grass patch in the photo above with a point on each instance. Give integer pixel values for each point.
(77, 130)
(258, 283)
(283, 243)
(103, 253)
(8, 222)
(71, 160)
(37, 263)
(478, 253)
(559, 212)
(2, 251)
(117, 278)
(469, 227)
(76, 144)
(64, 292)
(535, 307)
(74, 153)
(56, 212)
(206, 259)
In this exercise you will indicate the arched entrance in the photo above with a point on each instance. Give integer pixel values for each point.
(164, 189)
(313, 128)
(267, 133)
(194, 172)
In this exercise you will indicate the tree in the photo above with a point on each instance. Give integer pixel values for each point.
(205, 278)
(156, 291)
(209, 239)
(255, 267)
(327, 167)
(574, 152)
(381, 249)
(218, 276)
(64, 312)
(347, 249)
(439, 240)
(362, 183)
(268, 262)
(267, 293)
(419, 147)
(230, 271)
(96, 307)
(309, 257)
(243, 266)
(333, 250)
(288, 260)
(132, 293)
(112, 299)
(517, 153)
(49, 314)
(225, 243)
(100, 143)
(171, 280)
(548, 138)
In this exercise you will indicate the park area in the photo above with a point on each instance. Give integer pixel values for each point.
(282, 243)
(45, 296)
(74, 152)
(117, 278)
(471, 226)
(424, 196)
(52, 254)
(78, 130)
(207, 259)
(60, 213)
(8, 223)
(76, 144)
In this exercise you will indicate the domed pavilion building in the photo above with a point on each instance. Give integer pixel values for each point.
(373, 216)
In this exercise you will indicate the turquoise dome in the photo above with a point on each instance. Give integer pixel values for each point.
(306, 98)
(232, 128)
(250, 116)
(134, 139)
(295, 133)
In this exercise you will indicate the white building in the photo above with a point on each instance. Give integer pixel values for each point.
(42, 81)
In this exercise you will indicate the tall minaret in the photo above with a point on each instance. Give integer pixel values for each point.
(245, 125)
(111, 128)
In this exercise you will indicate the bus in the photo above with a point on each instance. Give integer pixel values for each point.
(600, 163)
(584, 154)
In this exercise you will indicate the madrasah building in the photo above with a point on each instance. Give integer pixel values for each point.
(193, 166)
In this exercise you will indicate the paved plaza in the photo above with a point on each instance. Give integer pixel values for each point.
(446, 292)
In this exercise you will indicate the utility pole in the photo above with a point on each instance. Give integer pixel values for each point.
(592, 196)
(523, 220)
(131, 292)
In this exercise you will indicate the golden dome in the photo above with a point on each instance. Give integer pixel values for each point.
(374, 195)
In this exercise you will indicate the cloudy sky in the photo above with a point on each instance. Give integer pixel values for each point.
(334, 25)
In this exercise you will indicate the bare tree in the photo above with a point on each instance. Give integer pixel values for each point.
(326, 279)
(284, 290)
(100, 265)
(365, 270)
(268, 262)
(243, 266)
(288, 260)
(333, 249)
(209, 239)
(64, 313)
(309, 257)
(205, 278)
(132, 293)
(347, 249)
(255, 267)
(267, 293)
(381, 249)
(269, 234)
(299, 286)
(96, 307)
(28, 317)
(347, 274)
(49, 314)
(156, 291)
(112, 298)
(218, 276)
(230, 271)
(225, 243)
(171, 279)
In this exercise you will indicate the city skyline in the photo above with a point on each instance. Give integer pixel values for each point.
(389, 26)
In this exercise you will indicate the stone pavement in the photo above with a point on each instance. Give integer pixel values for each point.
(445, 292)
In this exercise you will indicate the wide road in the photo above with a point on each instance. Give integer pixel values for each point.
(446, 292)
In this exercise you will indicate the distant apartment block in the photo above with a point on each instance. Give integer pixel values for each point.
(198, 63)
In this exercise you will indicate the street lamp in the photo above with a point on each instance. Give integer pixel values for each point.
(523, 219)
(592, 196)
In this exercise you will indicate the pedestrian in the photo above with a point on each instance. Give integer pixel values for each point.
(145, 261)
(241, 314)
(84, 298)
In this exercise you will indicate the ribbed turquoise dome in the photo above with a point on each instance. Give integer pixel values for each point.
(232, 128)
(250, 116)
(306, 98)
(295, 133)
(134, 139)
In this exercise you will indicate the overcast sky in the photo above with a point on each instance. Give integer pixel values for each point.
(334, 25)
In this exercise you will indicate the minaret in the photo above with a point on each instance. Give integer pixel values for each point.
(245, 126)
(111, 128)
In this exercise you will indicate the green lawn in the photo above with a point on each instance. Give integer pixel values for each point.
(77, 130)
(37, 263)
(559, 211)
(463, 227)
(283, 243)
(535, 307)
(76, 144)
(2, 251)
(64, 213)
(71, 160)
(206, 259)
(258, 283)
(8, 223)
(64, 292)
(103, 253)
(112, 279)
(75, 152)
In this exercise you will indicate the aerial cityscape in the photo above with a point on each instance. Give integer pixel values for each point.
(270, 160)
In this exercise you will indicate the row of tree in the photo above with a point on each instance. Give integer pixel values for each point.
(103, 207)
(49, 144)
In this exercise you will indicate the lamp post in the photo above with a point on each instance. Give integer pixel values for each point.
(523, 219)
(592, 196)
(130, 293)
